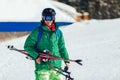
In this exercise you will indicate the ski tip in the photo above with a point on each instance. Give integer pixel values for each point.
(79, 62)
(10, 46)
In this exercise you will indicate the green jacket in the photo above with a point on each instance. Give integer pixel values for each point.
(49, 41)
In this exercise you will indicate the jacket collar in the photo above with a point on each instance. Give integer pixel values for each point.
(54, 27)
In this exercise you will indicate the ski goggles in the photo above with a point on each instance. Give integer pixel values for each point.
(48, 18)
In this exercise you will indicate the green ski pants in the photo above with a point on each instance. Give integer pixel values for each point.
(48, 75)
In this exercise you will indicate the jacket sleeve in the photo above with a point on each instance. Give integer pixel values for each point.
(62, 48)
(30, 43)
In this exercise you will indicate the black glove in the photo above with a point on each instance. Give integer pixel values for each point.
(66, 68)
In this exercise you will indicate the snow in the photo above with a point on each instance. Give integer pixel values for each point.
(96, 42)
(30, 10)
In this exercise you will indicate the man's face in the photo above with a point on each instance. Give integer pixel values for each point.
(48, 23)
(48, 20)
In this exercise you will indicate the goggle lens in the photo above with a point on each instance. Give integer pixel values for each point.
(48, 18)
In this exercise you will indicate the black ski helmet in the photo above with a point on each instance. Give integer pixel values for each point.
(48, 12)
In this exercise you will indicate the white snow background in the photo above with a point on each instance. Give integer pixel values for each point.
(96, 42)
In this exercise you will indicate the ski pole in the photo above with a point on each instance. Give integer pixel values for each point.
(61, 71)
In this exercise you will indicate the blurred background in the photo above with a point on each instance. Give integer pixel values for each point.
(97, 9)
(92, 34)
(16, 11)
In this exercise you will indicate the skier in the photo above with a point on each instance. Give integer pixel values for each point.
(51, 38)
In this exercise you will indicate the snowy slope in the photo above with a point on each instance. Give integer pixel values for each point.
(30, 10)
(96, 42)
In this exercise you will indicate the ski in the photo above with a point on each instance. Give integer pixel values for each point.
(11, 47)
(49, 57)
(61, 71)
(44, 55)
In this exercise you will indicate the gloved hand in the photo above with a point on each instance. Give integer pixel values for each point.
(66, 67)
